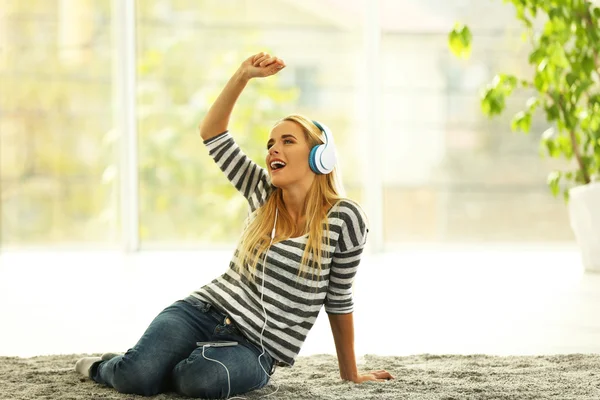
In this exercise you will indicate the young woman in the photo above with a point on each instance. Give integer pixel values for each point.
(301, 236)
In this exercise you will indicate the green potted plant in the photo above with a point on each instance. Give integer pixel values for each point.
(565, 82)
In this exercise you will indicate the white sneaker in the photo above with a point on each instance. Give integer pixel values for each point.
(108, 356)
(84, 364)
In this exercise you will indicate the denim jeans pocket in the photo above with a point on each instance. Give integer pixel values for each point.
(227, 327)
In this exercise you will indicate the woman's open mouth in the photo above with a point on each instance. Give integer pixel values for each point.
(277, 166)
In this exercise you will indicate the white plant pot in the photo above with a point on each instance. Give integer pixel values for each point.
(584, 213)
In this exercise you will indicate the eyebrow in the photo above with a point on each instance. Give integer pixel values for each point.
(283, 137)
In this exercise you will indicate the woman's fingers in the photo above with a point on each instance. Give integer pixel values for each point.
(260, 59)
(265, 59)
(256, 57)
(262, 65)
(276, 62)
(382, 374)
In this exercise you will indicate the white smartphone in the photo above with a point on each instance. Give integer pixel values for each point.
(216, 344)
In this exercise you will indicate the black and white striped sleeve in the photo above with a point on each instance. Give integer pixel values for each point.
(346, 259)
(248, 177)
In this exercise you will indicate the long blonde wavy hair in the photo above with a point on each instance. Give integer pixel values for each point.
(324, 192)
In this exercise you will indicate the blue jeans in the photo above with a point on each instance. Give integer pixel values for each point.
(166, 358)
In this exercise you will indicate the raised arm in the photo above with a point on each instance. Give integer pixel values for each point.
(248, 177)
(217, 119)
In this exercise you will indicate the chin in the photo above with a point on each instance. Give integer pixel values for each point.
(276, 183)
(279, 183)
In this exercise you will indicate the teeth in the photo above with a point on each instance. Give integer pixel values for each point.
(277, 164)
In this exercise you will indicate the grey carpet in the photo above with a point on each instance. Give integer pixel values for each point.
(417, 377)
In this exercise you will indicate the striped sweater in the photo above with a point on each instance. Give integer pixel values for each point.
(292, 303)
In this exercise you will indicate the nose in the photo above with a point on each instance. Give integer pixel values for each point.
(273, 150)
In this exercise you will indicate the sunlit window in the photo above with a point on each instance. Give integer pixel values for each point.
(448, 173)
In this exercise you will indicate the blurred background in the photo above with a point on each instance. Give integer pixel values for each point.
(100, 157)
(445, 173)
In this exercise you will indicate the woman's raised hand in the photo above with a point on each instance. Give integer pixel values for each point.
(262, 65)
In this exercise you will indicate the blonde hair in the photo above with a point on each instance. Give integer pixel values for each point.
(324, 192)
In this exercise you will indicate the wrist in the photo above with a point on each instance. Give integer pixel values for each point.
(242, 75)
(349, 375)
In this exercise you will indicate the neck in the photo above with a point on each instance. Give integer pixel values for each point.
(294, 197)
(294, 202)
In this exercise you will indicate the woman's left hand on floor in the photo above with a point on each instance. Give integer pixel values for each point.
(379, 376)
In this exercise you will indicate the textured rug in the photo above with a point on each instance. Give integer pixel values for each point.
(425, 376)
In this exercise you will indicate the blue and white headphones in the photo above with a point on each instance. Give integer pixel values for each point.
(322, 158)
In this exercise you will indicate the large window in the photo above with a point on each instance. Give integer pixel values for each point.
(451, 174)
(57, 155)
(187, 51)
(447, 173)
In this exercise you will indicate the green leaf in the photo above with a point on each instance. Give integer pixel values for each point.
(553, 181)
(459, 41)
(588, 65)
(566, 195)
(580, 89)
(532, 103)
(495, 103)
(564, 146)
(557, 56)
(533, 9)
(536, 56)
(522, 122)
(540, 82)
(525, 83)
(552, 112)
(551, 148)
(594, 125)
(493, 97)
(521, 14)
(548, 141)
(570, 120)
(555, 13)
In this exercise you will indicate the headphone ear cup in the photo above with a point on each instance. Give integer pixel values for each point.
(322, 159)
(312, 159)
(327, 159)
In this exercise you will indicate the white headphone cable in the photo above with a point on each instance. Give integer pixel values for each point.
(262, 293)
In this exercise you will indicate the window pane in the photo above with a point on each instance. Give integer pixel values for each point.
(55, 119)
(187, 51)
(451, 174)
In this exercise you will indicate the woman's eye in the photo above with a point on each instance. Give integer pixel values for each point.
(285, 141)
